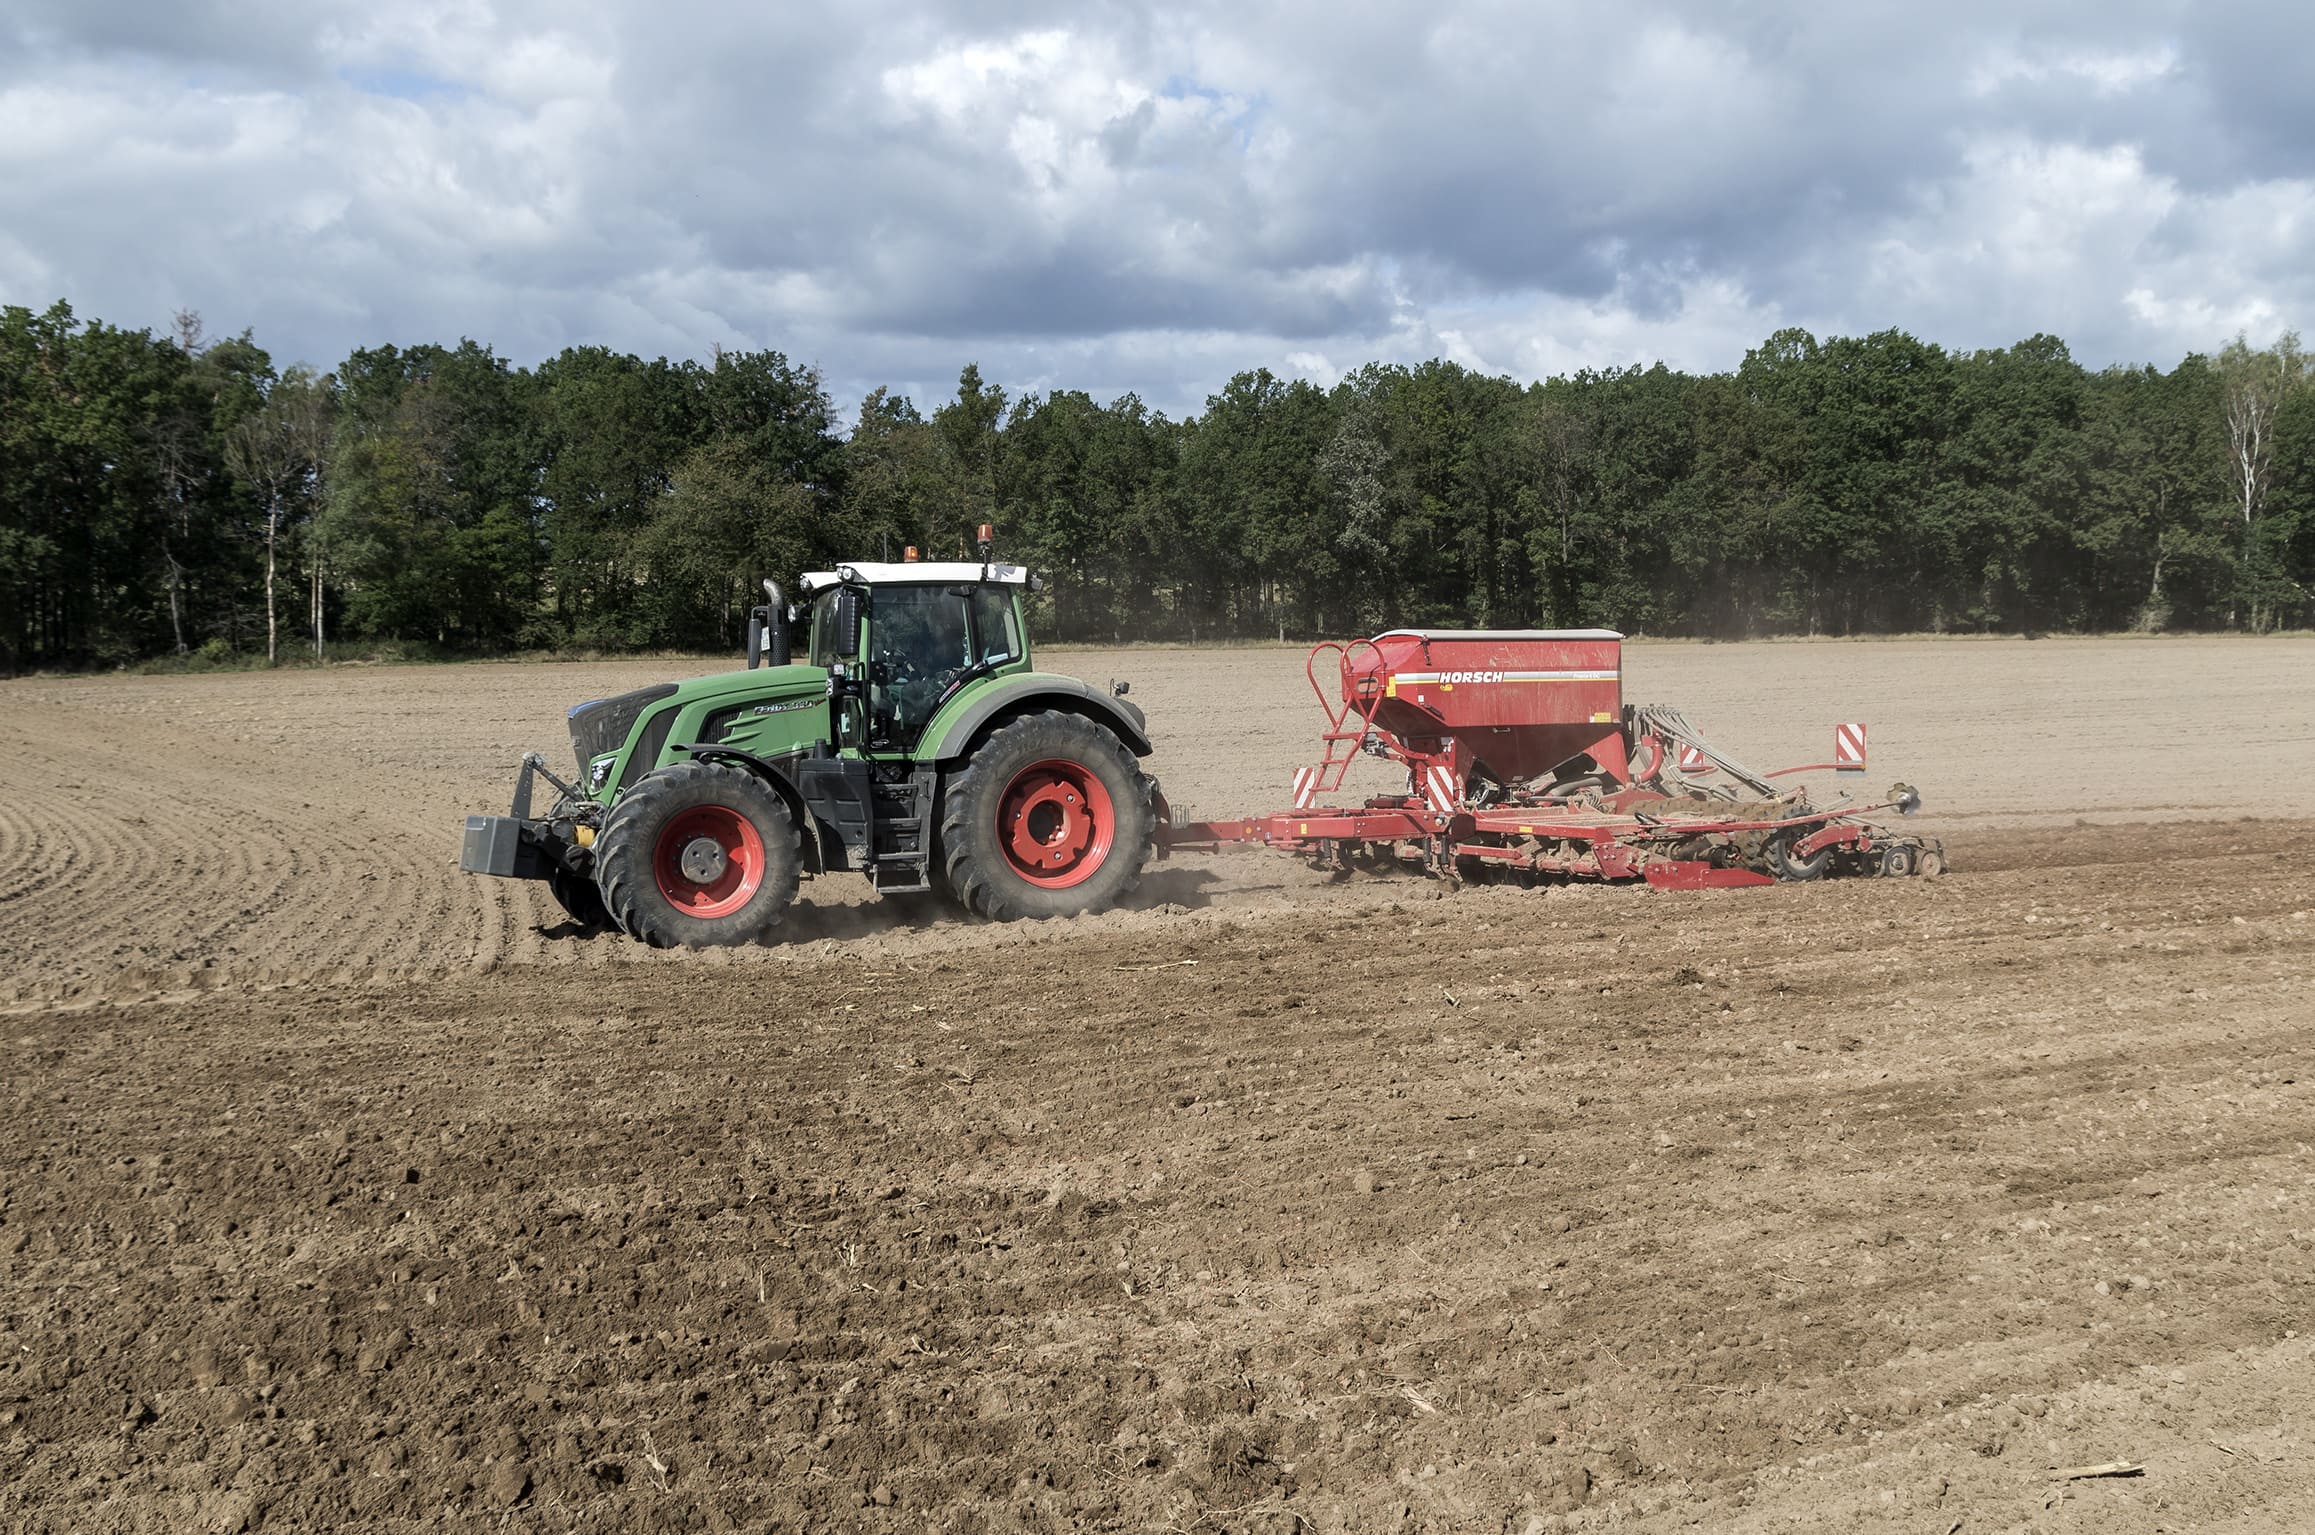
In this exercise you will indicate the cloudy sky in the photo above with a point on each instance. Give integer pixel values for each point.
(1132, 196)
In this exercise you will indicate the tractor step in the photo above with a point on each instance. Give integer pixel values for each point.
(896, 877)
(885, 827)
(901, 860)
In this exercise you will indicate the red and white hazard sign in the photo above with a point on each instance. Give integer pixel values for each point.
(1849, 748)
(1693, 762)
(1440, 784)
(1305, 786)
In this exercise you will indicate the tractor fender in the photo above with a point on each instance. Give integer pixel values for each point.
(953, 736)
(783, 784)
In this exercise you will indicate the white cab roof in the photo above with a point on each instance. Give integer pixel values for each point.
(915, 572)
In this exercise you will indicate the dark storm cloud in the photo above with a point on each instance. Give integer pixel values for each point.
(1123, 196)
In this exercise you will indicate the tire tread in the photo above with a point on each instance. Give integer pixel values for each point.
(990, 891)
(623, 863)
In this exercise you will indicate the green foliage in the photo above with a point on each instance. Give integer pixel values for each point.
(431, 521)
(1083, 501)
(611, 429)
(898, 488)
(1256, 544)
(729, 520)
(167, 497)
(115, 510)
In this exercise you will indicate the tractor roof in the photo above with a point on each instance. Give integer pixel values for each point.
(915, 573)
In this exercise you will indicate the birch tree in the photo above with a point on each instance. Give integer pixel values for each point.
(278, 452)
(2255, 384)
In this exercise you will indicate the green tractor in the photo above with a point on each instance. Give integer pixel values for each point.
(913, 742)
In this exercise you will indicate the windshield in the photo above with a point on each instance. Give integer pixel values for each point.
(920, 630)
(936, 628)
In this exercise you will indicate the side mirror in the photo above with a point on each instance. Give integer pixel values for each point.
(778, 620)
(845, 616)
(755, 639)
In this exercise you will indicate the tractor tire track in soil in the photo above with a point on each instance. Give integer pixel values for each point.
(1273, 1204)
(184, 831)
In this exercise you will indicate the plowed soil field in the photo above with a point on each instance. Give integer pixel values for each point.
(340, 1190)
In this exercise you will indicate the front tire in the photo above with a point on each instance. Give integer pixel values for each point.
(1051, 817)
(698, 855)
(580, 897)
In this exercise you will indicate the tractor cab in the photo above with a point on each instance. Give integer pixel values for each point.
(899, 641)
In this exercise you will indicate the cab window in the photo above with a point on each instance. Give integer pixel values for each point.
(920, 645)
(920, 630)
(996, 629)
(822, 651)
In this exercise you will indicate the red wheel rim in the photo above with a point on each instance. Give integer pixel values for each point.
(1055, 823)
(709, 861)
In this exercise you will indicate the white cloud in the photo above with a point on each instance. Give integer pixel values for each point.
(1129, 197)
(965, 82)
(2110, 73)
(2070, 239)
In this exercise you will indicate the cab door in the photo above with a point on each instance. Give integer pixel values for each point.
(920, 648)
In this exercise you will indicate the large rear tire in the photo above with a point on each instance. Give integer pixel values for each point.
(1051, 817)
(699, 855)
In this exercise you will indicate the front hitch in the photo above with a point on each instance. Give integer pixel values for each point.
(532, 763)
(519, 845)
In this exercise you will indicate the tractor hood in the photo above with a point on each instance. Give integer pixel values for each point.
(770, 684)
(602, 727)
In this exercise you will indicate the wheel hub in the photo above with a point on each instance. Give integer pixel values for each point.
(1054, 823)
(703, 861)
(1050, 826)
(709, 861)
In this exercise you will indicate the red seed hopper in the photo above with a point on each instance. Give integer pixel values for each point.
(1523, 759)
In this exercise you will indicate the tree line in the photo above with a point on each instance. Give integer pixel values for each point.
(174, 494)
